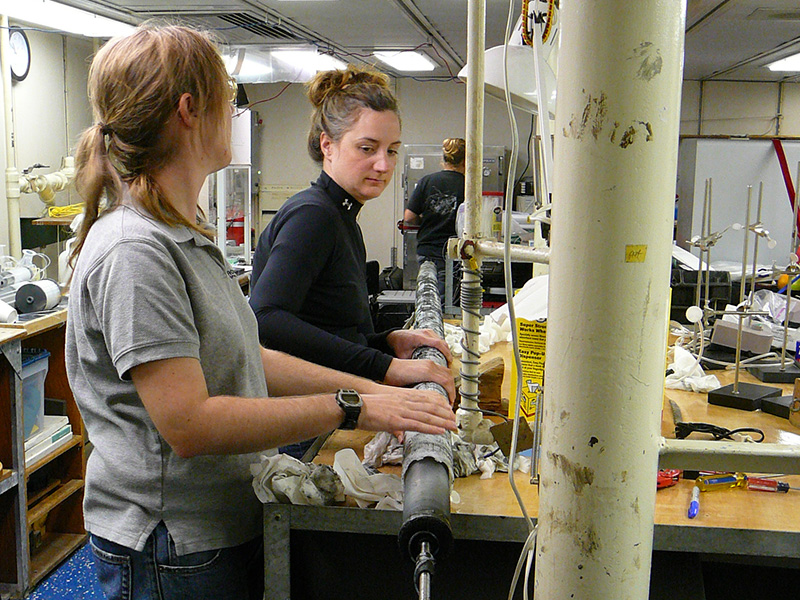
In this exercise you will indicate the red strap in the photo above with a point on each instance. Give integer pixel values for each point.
(787, 176)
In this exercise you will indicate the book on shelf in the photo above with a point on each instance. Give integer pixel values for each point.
(49, 439)
(51, 426)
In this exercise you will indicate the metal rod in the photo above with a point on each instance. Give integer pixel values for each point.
(793, 249)
(718, 455)
(471, 291)
(537, 437)
(701, 269)
(790, 273)
(742, 285)
(424, 582)
(708, 252)
(519, 253)
(752, 294)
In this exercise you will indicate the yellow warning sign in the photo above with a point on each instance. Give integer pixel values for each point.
(532, 336)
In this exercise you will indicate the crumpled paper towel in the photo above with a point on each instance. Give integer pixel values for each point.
(383, 449)
(687, 374)
(384, 488)
(489, 459)
(469, 458)
(281, 478)
(530, 303)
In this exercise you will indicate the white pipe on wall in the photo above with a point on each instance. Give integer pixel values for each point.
(617, 122)
(12, 175)
(47, 185)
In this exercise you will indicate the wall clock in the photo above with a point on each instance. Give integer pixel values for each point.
(20, 53)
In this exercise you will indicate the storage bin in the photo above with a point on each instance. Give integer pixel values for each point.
(684, 290)
(35, 362)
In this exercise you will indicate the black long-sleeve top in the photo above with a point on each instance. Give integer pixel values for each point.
(308, 287)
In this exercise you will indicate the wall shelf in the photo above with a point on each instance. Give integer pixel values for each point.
(41, 506)
(8, 479)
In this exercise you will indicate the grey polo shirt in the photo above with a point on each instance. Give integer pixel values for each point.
(143, 291)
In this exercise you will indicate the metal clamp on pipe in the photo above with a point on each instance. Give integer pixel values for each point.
(425, 535)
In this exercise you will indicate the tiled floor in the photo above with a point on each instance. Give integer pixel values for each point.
(73, 580)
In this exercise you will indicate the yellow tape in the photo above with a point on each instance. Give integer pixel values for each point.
(635, 253)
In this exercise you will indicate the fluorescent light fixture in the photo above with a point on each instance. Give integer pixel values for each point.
(310, 60)
(264, 64)
(406, 60)
(790, 63)
(521, 78)
(52, 15)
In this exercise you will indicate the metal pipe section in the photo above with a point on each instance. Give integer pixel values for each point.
(47, 185)
(471, 291)
(473, 174)
(519, 253)
(712, 455)
(427, 459)
(12, 175)
(617, 123)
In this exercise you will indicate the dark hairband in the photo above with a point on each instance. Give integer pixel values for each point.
(106, 130)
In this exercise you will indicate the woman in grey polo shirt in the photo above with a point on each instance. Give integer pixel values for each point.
(162, 349)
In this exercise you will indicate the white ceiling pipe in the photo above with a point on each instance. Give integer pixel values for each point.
(714, 455)
(615, 164)
(12, 175)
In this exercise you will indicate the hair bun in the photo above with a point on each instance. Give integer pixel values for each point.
(328, 83)
(454, 150)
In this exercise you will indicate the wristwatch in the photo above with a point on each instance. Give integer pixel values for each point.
(350, 402)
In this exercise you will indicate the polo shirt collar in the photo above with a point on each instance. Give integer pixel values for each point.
(345, 202)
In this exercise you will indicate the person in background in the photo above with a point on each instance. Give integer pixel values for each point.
(162, 353)
(433, 205)
(309, 283)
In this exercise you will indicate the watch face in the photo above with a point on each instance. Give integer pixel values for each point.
(20, 60)
(350, 397)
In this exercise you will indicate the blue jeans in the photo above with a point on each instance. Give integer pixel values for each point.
(298, 449)
(158, 573)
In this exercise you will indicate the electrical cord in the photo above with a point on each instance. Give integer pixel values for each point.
(485, 412)
(746, 361)
(65, 211)
(684, 430)
(527, 552)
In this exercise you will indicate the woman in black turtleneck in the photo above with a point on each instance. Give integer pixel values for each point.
(308, 287)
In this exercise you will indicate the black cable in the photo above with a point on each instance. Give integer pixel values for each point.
(683, 430)
(528, 145)
(486, 412)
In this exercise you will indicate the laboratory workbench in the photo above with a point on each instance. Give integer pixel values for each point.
(733, 526)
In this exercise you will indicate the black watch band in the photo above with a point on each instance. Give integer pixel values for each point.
(350, 402)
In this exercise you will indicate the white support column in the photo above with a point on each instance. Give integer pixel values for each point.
(616, 144)
(12, 175)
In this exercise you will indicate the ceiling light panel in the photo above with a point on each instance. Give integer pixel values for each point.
(407, 61)
(790, 64)
(60, 17)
